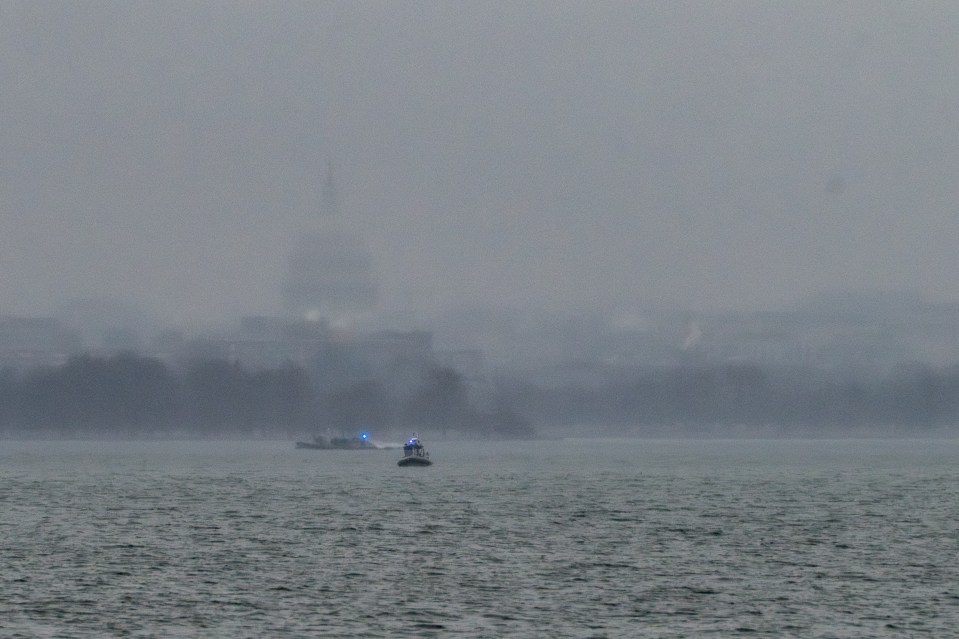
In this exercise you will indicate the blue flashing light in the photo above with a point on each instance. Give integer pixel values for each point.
(364, 436)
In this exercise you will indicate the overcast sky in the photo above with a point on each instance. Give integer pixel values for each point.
(567, 155)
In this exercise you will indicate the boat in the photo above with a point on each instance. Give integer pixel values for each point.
(361, 442)
(414, 454)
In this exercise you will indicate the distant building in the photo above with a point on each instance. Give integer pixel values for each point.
(334, 358)
(105, 325)
(329, 272)
(29, 342)
(329, 276)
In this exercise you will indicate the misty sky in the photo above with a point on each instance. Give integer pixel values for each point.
(566, 155)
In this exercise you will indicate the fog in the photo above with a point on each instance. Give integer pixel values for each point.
(561, 156)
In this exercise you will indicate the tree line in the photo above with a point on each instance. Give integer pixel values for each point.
(696, 398)
(136, 396)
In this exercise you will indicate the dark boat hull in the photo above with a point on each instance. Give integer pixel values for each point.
(414, 461)
(337, 443)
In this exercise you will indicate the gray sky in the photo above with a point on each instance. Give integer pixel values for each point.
(568, 155)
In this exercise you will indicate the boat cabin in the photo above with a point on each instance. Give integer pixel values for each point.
(413, 448)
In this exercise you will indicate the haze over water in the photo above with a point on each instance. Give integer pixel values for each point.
(571, 538)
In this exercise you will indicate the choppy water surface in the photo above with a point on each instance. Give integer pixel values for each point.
(560, 539)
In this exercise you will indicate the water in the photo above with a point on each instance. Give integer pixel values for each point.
(611, 538)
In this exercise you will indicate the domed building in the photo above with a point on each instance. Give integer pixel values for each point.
(329, 277)
(329, 273)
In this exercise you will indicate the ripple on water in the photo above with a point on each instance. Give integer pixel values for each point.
(668, 539)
